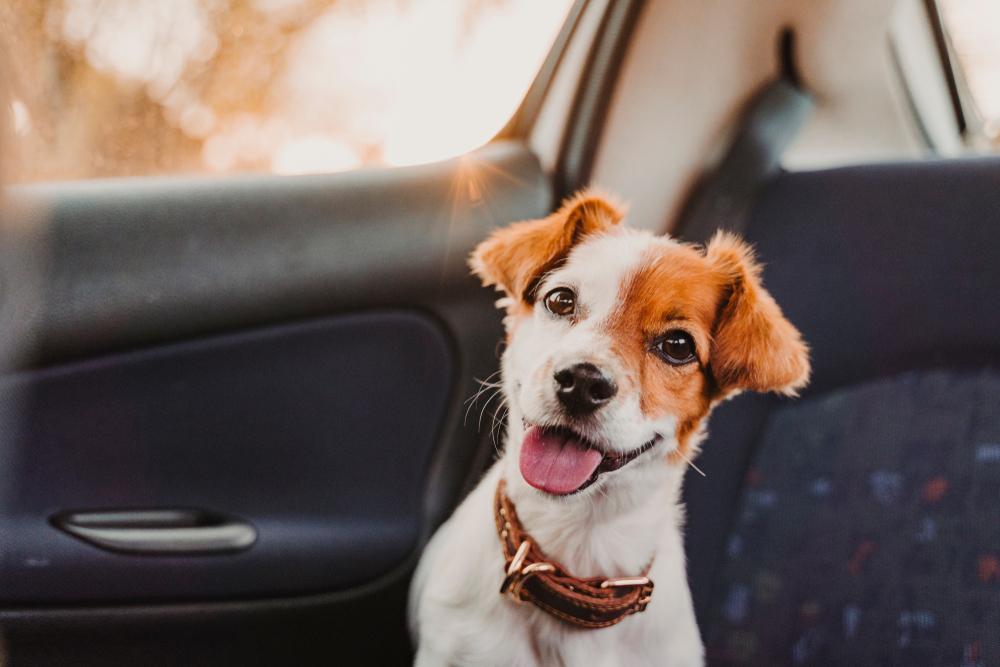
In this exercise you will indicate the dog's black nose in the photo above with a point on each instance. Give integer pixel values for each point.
(583, 388)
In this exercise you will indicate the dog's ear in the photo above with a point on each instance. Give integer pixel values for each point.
(753, 345)
(516, 257)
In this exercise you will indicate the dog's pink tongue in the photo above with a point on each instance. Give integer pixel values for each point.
(555, 462)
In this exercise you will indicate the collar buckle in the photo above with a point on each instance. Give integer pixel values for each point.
(517, 575)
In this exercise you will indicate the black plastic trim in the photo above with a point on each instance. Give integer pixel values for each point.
(593, 97)
(947, 67)
(523, 121)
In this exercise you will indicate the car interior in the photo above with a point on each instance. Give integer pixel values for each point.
(234, 409)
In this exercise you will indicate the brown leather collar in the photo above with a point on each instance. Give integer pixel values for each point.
(531, 577)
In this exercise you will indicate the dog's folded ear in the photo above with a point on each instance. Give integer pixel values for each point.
(753, 346)
(516, 257)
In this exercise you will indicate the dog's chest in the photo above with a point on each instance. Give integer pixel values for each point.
(620, 537)
(641, 639)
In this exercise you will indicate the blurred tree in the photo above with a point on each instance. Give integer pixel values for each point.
(126, 87)
(106, 88)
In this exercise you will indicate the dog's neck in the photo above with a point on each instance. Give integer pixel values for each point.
(612, 529)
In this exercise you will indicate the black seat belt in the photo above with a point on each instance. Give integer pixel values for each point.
(772, 118)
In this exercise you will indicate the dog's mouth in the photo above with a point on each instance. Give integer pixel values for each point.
(560, 461)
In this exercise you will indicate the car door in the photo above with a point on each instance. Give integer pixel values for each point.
(286, 358)
(234, 408)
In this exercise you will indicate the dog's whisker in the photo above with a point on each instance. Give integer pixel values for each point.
(496, 442)
(593, 506)
(488, 378)
(609, 498)
(486, 405)
(471, 402)
(498, 420)
(496, 413)
(496, 432)
(482, 411)
(499, 434)
(488, 385)
(484, 387)
(465, 419)
(690, 463)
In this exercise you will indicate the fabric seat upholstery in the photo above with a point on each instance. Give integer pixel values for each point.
(892, 273)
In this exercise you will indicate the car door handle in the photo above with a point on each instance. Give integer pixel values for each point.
(161, 532)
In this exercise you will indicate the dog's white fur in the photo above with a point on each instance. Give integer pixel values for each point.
(614, 528)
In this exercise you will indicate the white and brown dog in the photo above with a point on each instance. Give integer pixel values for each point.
(619, 344)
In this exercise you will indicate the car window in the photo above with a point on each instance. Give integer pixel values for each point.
(974, 30)
(107, 88)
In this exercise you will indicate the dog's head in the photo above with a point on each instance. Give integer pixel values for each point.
(621, 342)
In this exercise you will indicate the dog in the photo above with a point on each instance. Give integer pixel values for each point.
(619, 344)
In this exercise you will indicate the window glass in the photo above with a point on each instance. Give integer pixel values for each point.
(106, 88)
(974, 28)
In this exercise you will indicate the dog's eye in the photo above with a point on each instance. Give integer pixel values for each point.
(560, 301)
(677, 347)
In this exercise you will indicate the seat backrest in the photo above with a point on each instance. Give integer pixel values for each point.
(860, 523)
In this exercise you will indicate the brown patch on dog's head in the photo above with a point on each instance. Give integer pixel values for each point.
(674, 289)
(742, 340)
(754, 347)
(515, 258)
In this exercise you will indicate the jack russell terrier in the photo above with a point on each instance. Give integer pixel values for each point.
(619, 344)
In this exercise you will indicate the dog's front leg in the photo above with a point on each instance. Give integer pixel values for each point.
(457, 616)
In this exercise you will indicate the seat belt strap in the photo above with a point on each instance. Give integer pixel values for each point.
(724, 196)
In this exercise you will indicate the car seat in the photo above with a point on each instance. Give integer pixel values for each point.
(859, 524)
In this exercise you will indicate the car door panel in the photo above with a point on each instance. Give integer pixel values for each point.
(292, 353)
(137, 261)
(316, 434)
